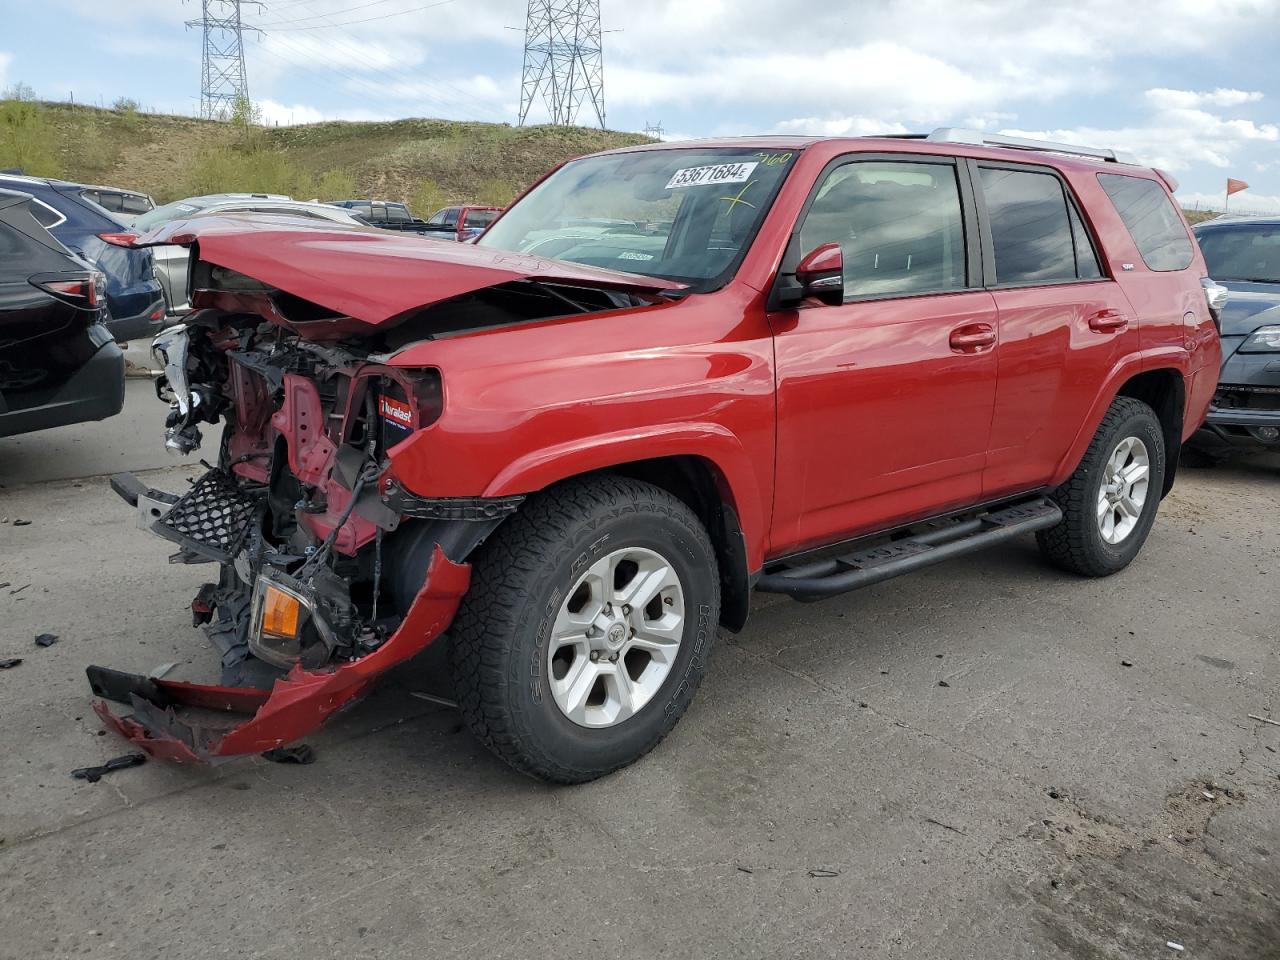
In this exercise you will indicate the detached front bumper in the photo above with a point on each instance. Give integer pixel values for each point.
(295, 706)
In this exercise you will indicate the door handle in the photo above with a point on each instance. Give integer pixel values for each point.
(1108, 321)
(973, 337)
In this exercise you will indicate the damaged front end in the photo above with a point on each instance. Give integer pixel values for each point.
(330, 568)
(329, 572)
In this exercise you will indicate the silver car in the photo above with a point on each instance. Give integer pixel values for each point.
(171, 261)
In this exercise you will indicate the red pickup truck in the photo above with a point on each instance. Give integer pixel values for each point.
(665, 377)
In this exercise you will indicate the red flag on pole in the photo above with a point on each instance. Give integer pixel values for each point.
(1235, 186)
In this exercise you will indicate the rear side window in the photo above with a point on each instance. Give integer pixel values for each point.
(480, 218)
(1154, 224)
(397, 213)
(451, 217)
(132, 203)
(1032, 232)
(45, 215)
(899, 227)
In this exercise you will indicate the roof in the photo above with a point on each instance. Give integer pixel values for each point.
(945, 141)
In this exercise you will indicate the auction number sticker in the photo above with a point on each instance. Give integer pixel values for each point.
(715, 174)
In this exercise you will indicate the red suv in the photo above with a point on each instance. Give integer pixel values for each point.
(666, 377)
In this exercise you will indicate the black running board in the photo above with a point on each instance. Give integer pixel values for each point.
(938, 542)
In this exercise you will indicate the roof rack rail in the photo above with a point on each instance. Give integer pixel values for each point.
(979, 138)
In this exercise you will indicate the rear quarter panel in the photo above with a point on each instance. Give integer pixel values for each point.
(1176, 330)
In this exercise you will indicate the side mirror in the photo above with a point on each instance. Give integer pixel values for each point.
(820, 274)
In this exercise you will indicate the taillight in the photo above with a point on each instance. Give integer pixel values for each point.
(85, 292)
(119, 239)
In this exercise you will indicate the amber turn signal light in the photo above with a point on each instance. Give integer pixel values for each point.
(281, 613)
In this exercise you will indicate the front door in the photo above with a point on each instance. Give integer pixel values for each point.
(884, 401)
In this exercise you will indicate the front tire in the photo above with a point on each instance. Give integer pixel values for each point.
(586, 629)
(1109, 503)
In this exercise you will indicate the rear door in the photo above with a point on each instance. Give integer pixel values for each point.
(1063, 322)
(884, 401)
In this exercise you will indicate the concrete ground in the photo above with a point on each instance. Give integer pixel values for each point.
(988, 759)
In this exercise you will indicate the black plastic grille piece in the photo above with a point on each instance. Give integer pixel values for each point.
(212, 518)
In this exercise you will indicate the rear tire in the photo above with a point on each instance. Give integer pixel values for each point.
(548, 679)
(1110, 502)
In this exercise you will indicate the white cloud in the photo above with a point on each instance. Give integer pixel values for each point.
(1163, 98)
(1174, 137)
(287, 115)
(840, 127)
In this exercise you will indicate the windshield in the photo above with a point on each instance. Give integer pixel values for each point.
(161, 215)
(1243, 252)
(686, 215)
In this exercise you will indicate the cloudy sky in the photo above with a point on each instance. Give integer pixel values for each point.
(1188, 85)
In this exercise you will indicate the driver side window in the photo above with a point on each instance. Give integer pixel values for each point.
(899, 227)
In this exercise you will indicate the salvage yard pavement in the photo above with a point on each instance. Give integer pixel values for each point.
(827, 796)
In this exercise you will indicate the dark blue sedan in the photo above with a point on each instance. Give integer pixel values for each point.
(135, 300)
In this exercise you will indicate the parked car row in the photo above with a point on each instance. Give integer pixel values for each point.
(134, 299)
(58, 362)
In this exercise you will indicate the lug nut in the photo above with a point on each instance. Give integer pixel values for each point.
(668, 601)
(595, 655)
(626, 609)
(613, 658)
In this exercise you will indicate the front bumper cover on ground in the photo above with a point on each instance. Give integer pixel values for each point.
(295, 706)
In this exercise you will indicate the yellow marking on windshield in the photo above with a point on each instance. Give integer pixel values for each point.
(738, 199)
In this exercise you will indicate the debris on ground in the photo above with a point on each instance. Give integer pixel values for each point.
(22, 523)
(163, 670)
(1274, 723)
(19, 589)
(944, 826)
(742, 869)
(1126, 663)
(432, 698)
(46, 639)
(943, 683)
(9, 662)
(301, 754)
(821, 874)
(94, 774)
(1174, 946)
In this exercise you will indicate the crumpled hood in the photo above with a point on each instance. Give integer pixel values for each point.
(368, 274)
(1251, 305)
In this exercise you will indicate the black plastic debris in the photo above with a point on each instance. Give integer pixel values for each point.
(9, 663)
(46, 639)
(94, 774)
(22, 523)
(300, 754)
(943, 683)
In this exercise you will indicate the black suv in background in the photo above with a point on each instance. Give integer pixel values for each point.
(58, 362)
(1243, 255)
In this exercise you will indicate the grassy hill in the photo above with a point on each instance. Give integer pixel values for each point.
(426, 163)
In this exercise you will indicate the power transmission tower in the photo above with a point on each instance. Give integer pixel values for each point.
(222, 74)
(563, 59)
(654, 130)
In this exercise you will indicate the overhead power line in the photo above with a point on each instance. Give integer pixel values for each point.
(280, 25)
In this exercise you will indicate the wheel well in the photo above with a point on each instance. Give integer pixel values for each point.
(1164, 392)
(699, 484)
